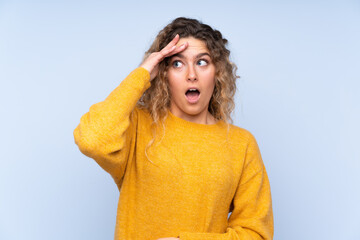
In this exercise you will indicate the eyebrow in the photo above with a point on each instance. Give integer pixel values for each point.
(197, 56)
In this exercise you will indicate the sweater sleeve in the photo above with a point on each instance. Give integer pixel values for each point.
(252, 216)
(106, 133)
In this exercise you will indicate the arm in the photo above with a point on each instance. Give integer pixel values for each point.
(252, 216)
(105, 132)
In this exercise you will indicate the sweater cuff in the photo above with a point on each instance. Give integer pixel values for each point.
(142, 78)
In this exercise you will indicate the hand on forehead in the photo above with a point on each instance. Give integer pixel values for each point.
(193, 43)
(195, 46)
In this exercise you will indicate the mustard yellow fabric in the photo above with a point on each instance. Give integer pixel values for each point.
(186, 183)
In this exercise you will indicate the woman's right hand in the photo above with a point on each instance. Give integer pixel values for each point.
(151, 63)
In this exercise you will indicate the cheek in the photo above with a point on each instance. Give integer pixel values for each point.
(210, 83)
(174, 75)
(174, 87)
(211, 90)
(174, 81)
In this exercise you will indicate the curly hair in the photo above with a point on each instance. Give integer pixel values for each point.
(156, 99)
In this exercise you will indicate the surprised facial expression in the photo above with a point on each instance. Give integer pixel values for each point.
(191, 77)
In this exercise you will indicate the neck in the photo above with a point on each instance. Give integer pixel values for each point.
(202, 118)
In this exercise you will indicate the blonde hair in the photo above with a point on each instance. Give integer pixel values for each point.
(156, 99)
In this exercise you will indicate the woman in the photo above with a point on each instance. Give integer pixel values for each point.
(164, 136)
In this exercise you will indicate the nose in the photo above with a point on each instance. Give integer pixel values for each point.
(191, 73)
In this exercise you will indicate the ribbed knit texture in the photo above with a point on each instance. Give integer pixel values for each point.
(188, 181)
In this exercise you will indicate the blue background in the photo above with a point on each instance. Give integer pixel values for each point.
(298, 94)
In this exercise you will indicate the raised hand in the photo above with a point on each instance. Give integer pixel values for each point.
(151, 63)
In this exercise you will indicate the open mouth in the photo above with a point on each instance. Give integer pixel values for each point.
(192, 95)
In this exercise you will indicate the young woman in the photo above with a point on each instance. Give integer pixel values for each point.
(164, 135)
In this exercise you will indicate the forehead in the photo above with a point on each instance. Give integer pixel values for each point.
(195, 45)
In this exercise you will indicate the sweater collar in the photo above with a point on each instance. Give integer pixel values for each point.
(184, 124)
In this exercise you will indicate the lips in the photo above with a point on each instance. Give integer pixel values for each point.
(192, 95)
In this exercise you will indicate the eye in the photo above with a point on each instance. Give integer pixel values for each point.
(202, 62)
(177, 64)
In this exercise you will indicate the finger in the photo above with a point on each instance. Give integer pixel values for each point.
(170, 45)
(178, 49)
(181, 48)
(173, 41)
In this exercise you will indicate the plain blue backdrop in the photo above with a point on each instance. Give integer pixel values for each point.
(298, 94)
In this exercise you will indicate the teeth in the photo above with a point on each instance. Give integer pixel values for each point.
(192, 90)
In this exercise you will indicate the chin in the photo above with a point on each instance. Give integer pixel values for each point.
(193, 112)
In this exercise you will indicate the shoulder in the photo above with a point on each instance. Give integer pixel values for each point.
(242, 139)
(249, 147)
(240, 133)
(141, 114)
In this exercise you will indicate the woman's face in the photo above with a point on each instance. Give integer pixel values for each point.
(191, 76)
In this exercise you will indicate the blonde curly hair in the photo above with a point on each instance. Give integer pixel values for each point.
(156, 99)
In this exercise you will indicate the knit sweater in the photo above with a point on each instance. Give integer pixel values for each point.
(187, 181)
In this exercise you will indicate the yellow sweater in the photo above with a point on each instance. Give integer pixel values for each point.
(188, 181)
